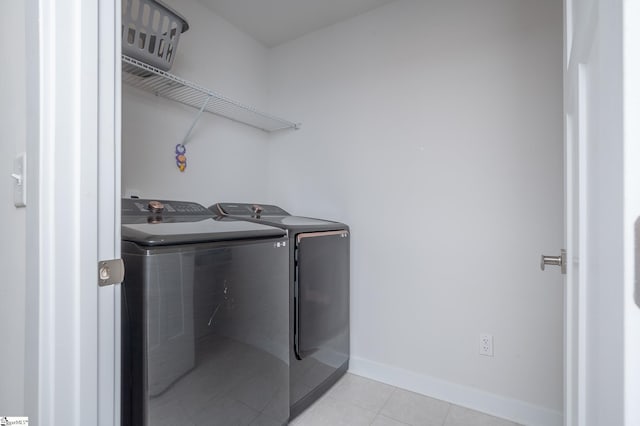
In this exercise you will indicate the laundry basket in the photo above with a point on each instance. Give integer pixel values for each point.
(151, 31)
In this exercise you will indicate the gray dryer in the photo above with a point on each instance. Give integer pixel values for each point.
(319, 297)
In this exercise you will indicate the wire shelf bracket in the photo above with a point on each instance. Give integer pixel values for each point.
(161, 83)
(195, 120)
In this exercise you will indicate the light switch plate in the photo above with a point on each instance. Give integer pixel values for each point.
(636, 292)
(20, 180)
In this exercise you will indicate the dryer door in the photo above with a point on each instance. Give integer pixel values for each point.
(322, 295)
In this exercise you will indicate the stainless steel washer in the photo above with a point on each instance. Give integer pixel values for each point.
(205, 323)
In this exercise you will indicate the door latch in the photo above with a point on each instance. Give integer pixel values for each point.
(110, 272)
(560, 261)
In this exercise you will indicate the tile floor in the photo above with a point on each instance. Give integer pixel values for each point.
(355, 401)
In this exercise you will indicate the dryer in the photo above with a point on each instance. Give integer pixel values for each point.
(319, 297)
(205, 323)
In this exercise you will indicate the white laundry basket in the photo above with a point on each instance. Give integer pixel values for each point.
(151, 31)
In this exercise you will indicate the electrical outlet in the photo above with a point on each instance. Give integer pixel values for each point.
(486, 344)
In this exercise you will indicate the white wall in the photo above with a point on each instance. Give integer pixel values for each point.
(226, 160)
(435, 130)
(12, 259)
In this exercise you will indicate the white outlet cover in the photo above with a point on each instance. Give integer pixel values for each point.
(486, 344)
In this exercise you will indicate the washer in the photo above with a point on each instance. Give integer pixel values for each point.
(319, 297)
(205, 322)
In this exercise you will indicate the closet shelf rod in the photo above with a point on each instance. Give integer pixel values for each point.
(151, 79)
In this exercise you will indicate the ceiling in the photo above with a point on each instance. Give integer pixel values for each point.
(273, 22)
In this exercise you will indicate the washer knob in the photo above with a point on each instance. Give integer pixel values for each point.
(155, 207)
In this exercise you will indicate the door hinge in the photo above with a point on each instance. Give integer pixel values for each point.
(110, 272)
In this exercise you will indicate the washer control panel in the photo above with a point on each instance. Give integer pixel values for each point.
(141, 207)
(248, 209)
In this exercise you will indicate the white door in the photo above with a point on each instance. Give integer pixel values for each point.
(601, 351)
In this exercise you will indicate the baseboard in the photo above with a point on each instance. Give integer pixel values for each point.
(496, 405)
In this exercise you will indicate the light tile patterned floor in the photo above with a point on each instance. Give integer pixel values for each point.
(355, 401)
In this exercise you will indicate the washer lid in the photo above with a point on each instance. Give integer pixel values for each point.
(274, 216)
(295, 221)
(205, 230)
(161, 223)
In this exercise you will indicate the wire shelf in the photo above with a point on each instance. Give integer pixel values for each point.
(153, 80)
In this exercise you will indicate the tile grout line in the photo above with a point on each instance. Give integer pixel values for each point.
(444, 422)
(376, 411)
(388, 399)
(384, 405)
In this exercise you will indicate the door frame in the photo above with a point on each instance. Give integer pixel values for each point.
(73, 150)
(109, 187)
(602, 84)
(631, 90)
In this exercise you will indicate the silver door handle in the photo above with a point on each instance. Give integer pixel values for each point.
(560, 261)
